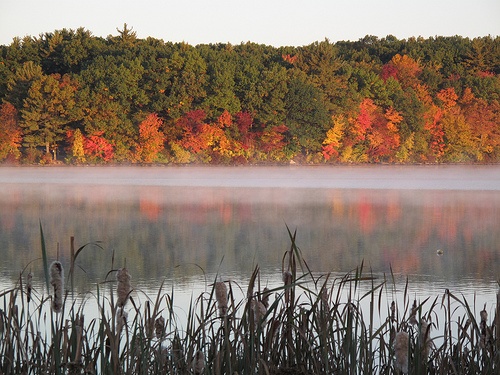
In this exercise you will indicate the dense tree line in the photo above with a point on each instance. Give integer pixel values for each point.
(73, 97)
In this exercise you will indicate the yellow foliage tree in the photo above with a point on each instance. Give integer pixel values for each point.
(334, 135)
(77, 147)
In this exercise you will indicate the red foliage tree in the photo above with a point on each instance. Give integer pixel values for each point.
(97, 148)
(364, 120)
(244, 122)
(273, 139)
(375, 134)
(389, 71)
(383, 137)
(192, 125)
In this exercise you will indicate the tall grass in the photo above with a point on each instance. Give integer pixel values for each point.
(311, 324)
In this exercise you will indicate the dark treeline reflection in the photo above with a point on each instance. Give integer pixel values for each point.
(160, 232)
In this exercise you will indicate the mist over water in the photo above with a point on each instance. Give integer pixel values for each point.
(317, 177)
(184, 225)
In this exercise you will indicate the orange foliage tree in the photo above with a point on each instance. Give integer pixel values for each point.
(484, 120)
(434, 127)
(272, 142)
(151, 139)
(403, 68)
(10, 132)
(448, 98)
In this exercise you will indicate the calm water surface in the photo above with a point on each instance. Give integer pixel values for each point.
(438, 226)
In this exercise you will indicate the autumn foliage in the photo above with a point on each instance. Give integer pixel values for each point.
(151, 139)
(10, 132)
(90, 100)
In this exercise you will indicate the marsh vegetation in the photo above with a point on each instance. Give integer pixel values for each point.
(310, 324)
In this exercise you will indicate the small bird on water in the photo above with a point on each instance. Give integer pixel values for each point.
(439, 252)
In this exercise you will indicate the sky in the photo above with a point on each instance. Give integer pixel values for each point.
(271, 22)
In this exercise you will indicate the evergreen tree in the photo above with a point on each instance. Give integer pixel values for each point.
(47, 111)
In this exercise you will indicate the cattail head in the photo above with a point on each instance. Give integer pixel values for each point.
(287, 277)
(259, 310)
(287, 280)
(265, 297)
(425, 340)
(413, 314)
(198, 363)
(393, 311)
(221, 297)
(484, 315)
(483, 328)
(160, 327)
(123, 287)
(401, 351)
(57, 282)
(324, 299)
(29, 286)
(149, 327)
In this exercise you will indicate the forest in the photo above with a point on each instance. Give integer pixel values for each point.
(70, 97)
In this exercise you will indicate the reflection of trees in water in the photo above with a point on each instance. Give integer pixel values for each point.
(154, 230)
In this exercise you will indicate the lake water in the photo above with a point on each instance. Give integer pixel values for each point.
(438, 226)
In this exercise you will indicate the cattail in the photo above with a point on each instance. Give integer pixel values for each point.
(29, 281)
(198, 364)
(221, 296)
(79, 338)
(413, 314)
(393, 311)
(149, 327)
(324, 299)
(425, 340)
(123, 288)
(160, 327)
(259, 310)
(57, 282)
(401, 350)
(287, 280)
(265, 297)
(483, 328)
